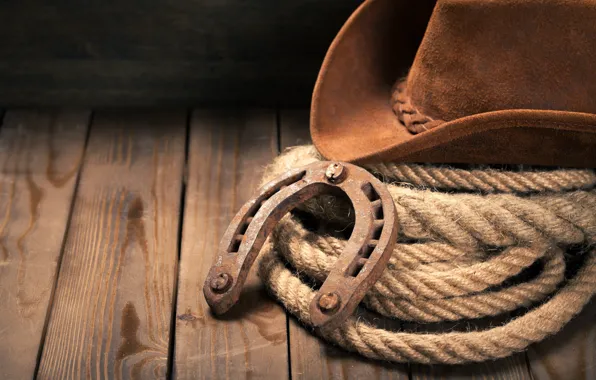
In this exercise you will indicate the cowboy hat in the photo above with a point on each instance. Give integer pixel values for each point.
(481, 81)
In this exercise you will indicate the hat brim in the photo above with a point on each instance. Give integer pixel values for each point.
(352, 119)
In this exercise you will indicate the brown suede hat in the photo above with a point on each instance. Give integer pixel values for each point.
(486, 82)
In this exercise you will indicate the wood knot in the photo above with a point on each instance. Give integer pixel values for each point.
(136, 209)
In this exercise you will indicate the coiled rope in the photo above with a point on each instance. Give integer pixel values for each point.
(457, 256)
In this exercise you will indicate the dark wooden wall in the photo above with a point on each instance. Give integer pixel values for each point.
(159, 52)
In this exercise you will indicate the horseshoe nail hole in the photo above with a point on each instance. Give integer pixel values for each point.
(370, 192)
(235, 246)
(243, 227)
(298, 177)
(376, 203)
(377, 209)
(264, 197)
(368, 250)
(282, 185)
(253, 211)
(355, 270)
(377, 229)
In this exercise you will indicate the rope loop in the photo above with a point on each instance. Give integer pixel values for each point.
(473, 244)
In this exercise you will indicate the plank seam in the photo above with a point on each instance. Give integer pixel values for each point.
(181, 208)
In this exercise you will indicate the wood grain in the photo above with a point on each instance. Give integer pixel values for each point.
(569, 355)
(228, 151)
(40, 156)
(113, 304)
(235, 50)
(110, 82)
(514, 368)
(312, 358)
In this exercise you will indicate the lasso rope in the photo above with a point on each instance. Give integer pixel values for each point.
(455, 258)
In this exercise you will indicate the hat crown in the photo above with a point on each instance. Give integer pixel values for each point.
(489, 82)
(479, 56)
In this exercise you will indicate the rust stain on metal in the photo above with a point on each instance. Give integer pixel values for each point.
(329, 302)
(361, 264)
(335, 172)
(221, 282)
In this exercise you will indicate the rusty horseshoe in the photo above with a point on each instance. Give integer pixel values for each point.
(360, 265)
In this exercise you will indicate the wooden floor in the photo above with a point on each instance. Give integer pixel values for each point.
(109, 221)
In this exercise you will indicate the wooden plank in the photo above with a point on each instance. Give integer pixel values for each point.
(571, 354)
(229, 48)
(513, 368)
(40, 156)
(207, 30)
(109, 82)
(228, 152)
(113, 305)
(311, 358)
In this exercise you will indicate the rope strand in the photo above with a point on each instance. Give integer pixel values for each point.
(458, 257)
